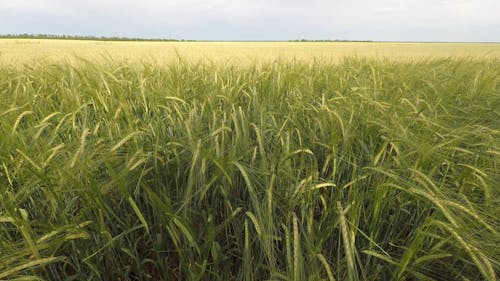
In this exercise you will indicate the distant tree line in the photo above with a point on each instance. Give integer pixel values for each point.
(116, 38)
(77, 37)
(328, 40)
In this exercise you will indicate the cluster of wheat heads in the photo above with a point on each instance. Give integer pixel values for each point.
(361, 170)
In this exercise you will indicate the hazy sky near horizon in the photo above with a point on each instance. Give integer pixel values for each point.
(391, 20)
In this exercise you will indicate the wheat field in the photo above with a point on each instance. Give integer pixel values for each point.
(249, 161)
(19, 51)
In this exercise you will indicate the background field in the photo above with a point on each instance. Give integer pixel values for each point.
(14, 51)
(245, 166)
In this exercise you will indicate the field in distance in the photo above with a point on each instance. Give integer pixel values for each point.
(15, 51)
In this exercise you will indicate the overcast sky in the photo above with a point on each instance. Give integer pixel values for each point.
(392, 20)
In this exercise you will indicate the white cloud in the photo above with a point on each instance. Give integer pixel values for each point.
(42, 7)
(313, 18)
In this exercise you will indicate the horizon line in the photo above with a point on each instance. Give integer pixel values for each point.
(157, 39)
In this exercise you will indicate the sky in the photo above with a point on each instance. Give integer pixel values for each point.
(378, 20)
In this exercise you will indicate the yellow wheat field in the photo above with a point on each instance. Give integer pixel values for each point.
(21, 51)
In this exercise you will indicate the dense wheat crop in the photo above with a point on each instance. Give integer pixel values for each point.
(19, 51)
(359, 170)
